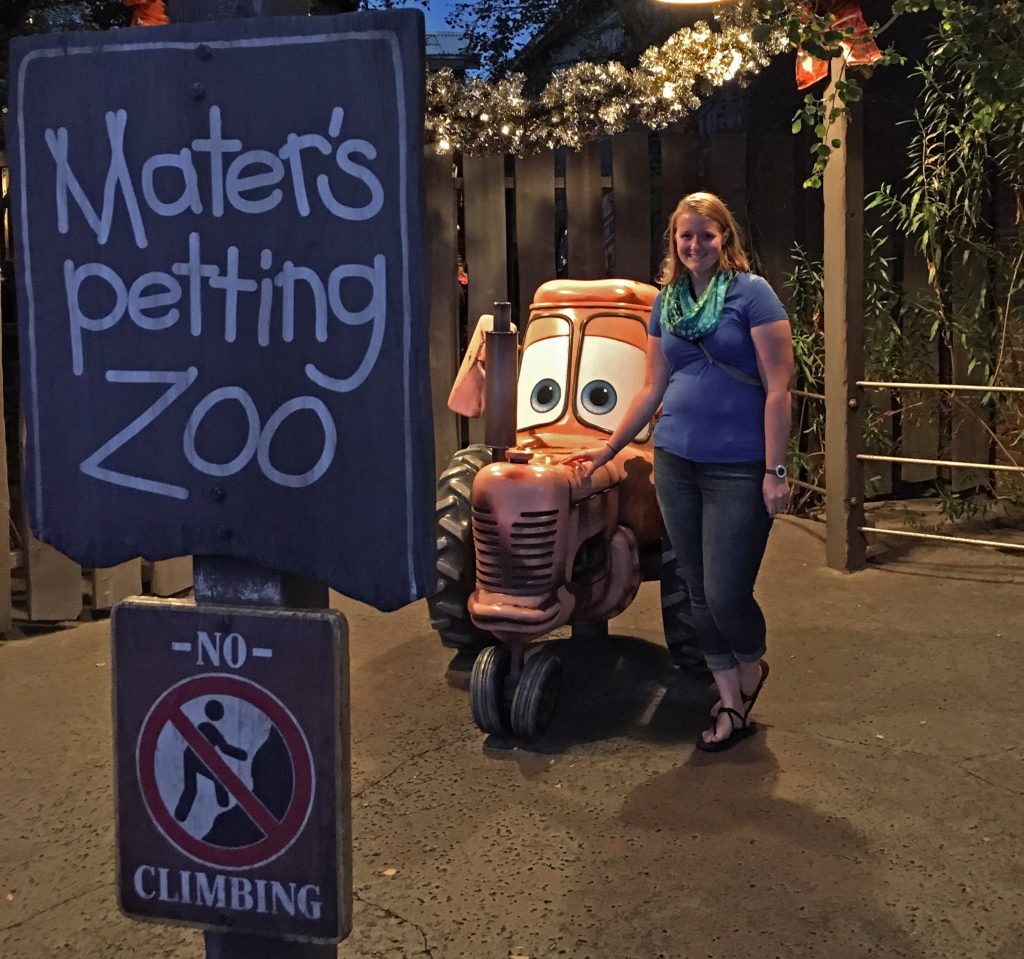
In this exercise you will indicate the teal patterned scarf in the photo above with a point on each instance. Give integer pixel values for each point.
(689, 318)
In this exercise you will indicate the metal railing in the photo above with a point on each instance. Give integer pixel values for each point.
(945, 464)
(801, 483)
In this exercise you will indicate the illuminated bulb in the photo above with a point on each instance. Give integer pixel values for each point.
(484, 117)
(444, 145)
(504, 130)
(668, 90)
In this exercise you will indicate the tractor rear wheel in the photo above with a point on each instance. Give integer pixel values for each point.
(456, 563)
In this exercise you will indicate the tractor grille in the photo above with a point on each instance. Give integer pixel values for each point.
(518, 557)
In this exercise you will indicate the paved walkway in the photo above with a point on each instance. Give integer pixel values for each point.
(878, 812)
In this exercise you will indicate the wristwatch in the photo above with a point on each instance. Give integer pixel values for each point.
(780, 471)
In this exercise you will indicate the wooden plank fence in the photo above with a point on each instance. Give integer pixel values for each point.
(597, 212)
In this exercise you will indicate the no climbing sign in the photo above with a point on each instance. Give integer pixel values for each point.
(232, 768)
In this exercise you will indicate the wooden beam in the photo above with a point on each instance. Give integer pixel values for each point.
(843, 190)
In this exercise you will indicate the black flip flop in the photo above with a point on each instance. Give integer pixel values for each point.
(749, 701)
(740, 730)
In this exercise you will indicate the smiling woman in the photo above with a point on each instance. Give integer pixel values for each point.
(718, 362)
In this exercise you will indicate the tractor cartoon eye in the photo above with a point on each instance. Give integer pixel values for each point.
(599, 397)
(543, 374)
(546, 395)
(611, 373)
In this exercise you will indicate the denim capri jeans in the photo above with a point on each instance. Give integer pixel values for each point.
(716, 519)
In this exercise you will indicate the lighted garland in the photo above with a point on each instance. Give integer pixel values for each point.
(590, 100)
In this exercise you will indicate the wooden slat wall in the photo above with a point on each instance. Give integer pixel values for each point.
(680, 162)
(486, 248)
(53, 583)
(773, 211)
(111, 585)
(758, 180)
(727, 172)
(970, 442)
(585, 219)
(632, 198)
(5, 532)
(535, 225)
(170, 576)
(920, 439)
(444, 301)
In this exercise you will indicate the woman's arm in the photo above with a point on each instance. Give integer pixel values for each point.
(773, 346)
(638, 413)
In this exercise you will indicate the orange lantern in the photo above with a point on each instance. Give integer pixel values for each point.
(859, 49)
(148, 13)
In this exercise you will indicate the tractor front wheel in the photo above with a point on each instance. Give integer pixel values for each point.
(487, 690)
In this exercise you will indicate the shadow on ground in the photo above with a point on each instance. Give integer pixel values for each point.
(612, 686)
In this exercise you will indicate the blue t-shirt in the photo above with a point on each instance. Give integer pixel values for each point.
(707, 415)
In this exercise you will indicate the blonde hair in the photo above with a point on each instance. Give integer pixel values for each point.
(704, 204)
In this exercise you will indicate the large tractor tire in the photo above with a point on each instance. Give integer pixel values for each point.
(456, 563)
(676, 615)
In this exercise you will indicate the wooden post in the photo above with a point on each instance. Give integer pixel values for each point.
(843, 190)
(221, 579)
(225, 580)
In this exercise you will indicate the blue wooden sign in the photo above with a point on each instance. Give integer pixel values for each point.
(223, 297)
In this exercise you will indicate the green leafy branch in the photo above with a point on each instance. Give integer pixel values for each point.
(814, 30)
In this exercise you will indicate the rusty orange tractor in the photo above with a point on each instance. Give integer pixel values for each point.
(527, 544)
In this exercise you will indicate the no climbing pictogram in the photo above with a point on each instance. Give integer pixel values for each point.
(225, 771)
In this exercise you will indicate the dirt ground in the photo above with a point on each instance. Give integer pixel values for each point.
(876, 813)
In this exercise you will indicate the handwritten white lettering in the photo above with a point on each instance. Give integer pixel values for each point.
(233, 176)
(156, 290)
(221, 294)
(257, 441)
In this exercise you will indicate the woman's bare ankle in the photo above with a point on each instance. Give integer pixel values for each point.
(750, 676)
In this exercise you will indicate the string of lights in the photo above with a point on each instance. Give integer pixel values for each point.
(589, 100)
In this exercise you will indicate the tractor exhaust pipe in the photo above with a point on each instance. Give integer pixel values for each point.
(501, 362)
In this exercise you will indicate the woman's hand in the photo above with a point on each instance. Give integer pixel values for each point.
(591, 458)
(775, 491)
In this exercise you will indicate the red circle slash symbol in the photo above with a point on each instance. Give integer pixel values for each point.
(203, 744)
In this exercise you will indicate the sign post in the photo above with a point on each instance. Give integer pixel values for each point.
(221, 266)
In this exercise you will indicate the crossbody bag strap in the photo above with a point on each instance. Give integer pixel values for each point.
(728, 370)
